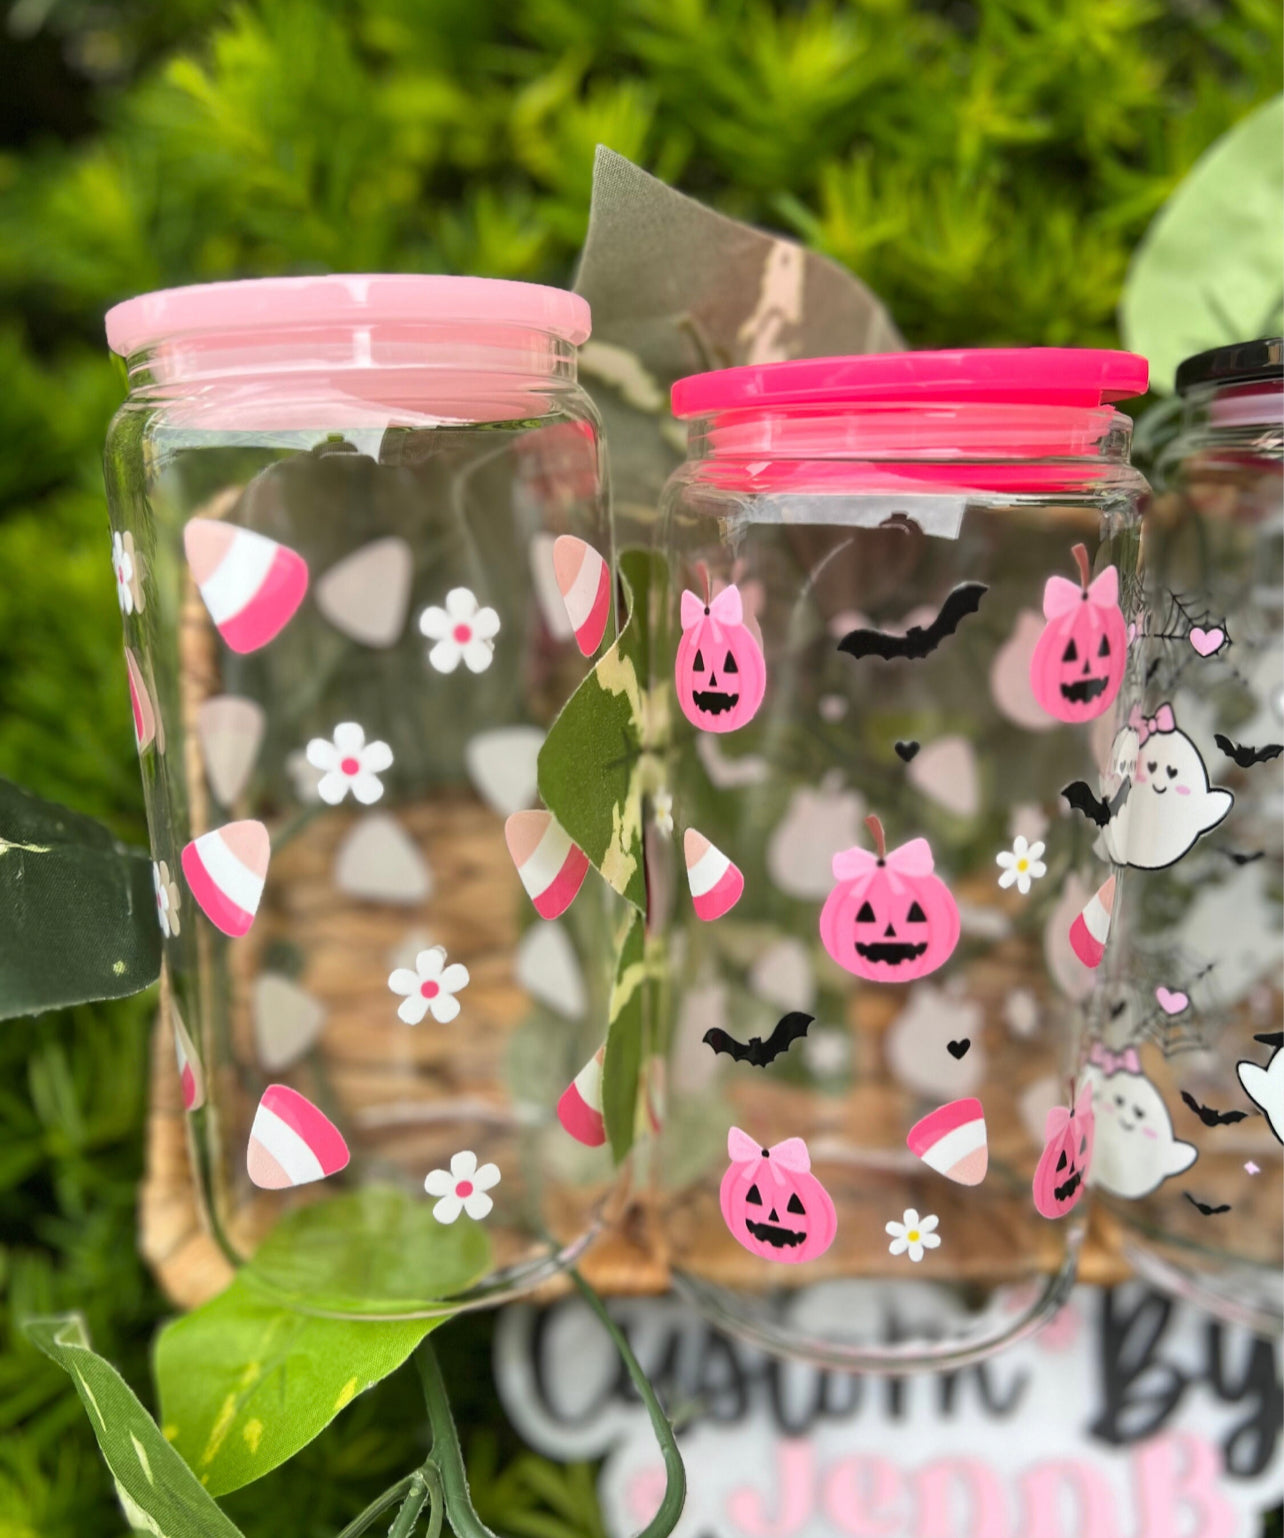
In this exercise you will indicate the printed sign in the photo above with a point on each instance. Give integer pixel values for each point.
(1130, 1416)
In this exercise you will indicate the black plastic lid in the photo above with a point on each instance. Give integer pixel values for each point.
(1240, 363)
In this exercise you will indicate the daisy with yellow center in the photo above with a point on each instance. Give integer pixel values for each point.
(1021, 864)
(913, 1235)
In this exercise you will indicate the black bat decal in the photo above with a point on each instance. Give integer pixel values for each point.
(1244, 859)
(756, 1051)
(1080, 797)
(1209, 1116)
(1206, 1208)
(918, 641)
(1246, 756)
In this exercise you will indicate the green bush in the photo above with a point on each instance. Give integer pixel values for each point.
(986, 166)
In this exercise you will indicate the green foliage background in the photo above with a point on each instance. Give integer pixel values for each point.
(987, 165)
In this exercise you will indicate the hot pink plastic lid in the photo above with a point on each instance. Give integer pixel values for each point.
(1062, 376)
(342, 298)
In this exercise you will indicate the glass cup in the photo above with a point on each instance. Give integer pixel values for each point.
(335, 504)
(1189, 1077)
(897, 604)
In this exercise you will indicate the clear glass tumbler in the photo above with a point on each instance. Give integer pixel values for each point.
(898, 602)
(336, 507)
(1190, 1074)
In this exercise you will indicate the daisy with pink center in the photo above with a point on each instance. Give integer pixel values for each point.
(462, 1188)
(349, 763)
(463, 631)
(430, 988)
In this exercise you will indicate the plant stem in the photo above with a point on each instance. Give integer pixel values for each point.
(376, 1507)
(675, 1488)
(411, 1508)
(449, 1460)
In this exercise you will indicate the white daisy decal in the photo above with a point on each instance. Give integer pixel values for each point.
(463, 632)
(124, 560)
(430, 988)
(663, 803)
(349, 763)
(167, 899)
(1021, 864)
(462, 1188)
(914, 1234)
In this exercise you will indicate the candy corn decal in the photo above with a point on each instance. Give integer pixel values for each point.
(1089, 931)
(250, 584)
(225, 870)
(140, 702)
(189, 1066)
(585, 586)
(291, 1142)
(552, 868)
(716, 884)
(580, 1108)
(952, 1142)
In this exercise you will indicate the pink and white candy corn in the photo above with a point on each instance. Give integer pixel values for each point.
(1089, 931)
(952, 1141)
(552, 868)
(291, 1142)
(189, 1066)
(250, 584)
(225, 870)
(585, 585)
(716, 884)
(580, 1108)
(140, 702)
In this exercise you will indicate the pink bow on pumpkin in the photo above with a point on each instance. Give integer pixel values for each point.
(725, 607)
(1061, 595)
(790, 1155)
(1058, 1118)
(912, 859)
(1163, 720)
(1113, 1062)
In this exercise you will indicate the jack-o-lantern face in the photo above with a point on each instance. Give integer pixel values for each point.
(889, 919)
(1062, 1170)
(1078, 661)
(772, 1203)
(720, 672)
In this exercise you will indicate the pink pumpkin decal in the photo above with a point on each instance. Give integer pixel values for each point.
(1062, 1170)
(889, 919)
(720, 672)
(772, 1203)
(1078, 662)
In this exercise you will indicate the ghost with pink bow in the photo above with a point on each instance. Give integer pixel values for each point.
(1171, 804)
(1135, 1150)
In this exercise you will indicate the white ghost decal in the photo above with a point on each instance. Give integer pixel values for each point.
(1135, 1150)
(1265, 1088)
(1170, 803)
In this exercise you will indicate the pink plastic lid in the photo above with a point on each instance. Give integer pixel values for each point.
(341, 299)
(1062, 376)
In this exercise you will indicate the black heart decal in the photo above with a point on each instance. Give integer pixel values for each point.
(906, 750)
(959, 1048)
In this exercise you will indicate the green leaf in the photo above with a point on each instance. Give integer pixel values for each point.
(590, 764)
(253, 1375)
(1211, 267)
(375, 1251)
(625, 1034)
(79, 909)
(158, 1492)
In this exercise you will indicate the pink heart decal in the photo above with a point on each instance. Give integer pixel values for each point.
(1206, 642)
(1172, 1001)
